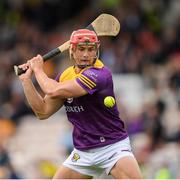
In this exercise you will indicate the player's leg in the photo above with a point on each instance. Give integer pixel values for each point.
(126, 168)
(67, 173)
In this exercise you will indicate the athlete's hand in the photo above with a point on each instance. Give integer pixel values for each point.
(28, 73)
(36, 63)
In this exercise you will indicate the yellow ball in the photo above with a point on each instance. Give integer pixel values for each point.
(109, 101)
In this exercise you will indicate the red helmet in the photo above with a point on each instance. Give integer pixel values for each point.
(83, 36)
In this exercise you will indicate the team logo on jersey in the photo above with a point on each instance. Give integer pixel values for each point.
(75, 157)
(69, 100)
(91, 73)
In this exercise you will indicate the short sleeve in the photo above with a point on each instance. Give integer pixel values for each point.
(91, 80)
(57, 77)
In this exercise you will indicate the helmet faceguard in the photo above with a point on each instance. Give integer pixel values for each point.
(84, 37)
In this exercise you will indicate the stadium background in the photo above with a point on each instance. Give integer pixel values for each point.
(144, 59)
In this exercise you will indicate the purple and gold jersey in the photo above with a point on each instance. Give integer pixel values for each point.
(95, 125)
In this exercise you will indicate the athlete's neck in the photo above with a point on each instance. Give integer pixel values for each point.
(77, 69)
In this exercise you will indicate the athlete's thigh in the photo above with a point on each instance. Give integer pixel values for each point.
(126, 168)
(67, 173)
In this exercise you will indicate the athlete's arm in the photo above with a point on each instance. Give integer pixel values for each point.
(62, 90)
(42, 107)
(51, 87)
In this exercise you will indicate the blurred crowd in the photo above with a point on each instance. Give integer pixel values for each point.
(148, 46)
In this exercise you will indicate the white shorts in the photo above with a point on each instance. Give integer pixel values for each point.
(94, 161)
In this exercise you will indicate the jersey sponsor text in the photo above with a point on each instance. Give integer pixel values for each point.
(74, 108)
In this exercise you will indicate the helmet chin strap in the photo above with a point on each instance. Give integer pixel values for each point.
(82, 66)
